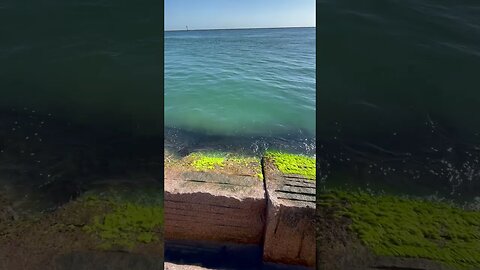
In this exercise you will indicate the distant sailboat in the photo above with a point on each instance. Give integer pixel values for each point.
(186, 27)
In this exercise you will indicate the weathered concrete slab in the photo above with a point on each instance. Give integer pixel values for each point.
(290, 226)
(172, 266)
(213, 206)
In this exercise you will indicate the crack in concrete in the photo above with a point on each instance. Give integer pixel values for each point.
(293, 188)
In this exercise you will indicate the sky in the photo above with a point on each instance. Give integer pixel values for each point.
(229, 14)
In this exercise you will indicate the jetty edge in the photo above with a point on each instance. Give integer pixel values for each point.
(223, 197)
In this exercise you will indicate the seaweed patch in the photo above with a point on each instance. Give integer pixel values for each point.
(293, 164)
(414, 228)
(225, 162)
(127, 224)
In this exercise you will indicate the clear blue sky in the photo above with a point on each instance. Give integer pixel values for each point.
(211, 14)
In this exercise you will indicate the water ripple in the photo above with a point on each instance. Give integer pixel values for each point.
(241, 82)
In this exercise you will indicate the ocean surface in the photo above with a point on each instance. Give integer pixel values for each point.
(92, 62)
(399, 96)
(254, 86)
(80, 98)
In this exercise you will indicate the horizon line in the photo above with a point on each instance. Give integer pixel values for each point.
(249, 28)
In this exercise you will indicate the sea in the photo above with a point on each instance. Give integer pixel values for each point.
(398, 97)
(80, 99)
(244, 90)
(393, 106)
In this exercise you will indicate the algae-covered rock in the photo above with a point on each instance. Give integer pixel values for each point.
(96, 221)
(127, 224)
(428, 234)
(214, 197)
(290, 224)
(217, 162)
(293, 164)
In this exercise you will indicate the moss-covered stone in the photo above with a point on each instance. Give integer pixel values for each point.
(218, 162)
(293, 164)
(414, 228)
(207, 161)
(110, 218)
(127, 224)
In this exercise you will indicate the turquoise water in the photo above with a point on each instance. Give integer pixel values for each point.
(241, 83)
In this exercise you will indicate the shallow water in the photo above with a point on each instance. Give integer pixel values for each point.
(241, 83)
(398, 96)
(181, 143)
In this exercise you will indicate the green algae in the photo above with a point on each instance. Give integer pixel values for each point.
(207, 161)
(293, 164)
(396, 226)
(128, 224)
(226, 162)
